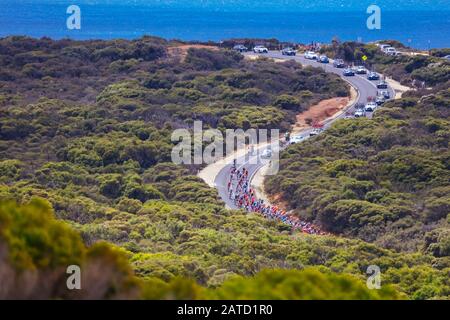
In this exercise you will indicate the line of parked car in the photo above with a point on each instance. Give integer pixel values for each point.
(257, 49)
(361, 70)
(361, 110)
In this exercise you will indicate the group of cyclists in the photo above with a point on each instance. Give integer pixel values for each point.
(244, 197)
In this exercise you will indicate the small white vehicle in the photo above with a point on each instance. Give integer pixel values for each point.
(361, 70)
(370, 107)
(296, 139)
(359, 113)
(260, 49)
(315, 132)
(391, 51)
(266, 154)
(311, 55)
(383, 46)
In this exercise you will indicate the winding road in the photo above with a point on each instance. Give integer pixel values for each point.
(364, 87)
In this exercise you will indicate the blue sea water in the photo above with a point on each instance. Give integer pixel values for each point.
(120, 19)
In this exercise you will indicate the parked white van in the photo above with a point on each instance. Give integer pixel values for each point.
(391, 51)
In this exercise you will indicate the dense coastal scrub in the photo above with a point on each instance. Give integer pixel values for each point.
(35, 250)
(86, 126)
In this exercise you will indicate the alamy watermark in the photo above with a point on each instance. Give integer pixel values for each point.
(73, 281)
(374, 279)
(374, 20)
(73, 22)
(249, 147)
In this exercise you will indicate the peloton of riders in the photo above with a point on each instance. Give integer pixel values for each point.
(244, 197)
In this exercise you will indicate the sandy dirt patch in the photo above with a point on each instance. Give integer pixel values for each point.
(318, 113)
(255, 57)
(397, 87)
(181, 51)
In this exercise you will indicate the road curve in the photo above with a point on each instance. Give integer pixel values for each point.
(364, 87)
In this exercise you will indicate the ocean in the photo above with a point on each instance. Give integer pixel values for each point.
(421, 29)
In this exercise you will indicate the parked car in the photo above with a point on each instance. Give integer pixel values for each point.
(373, 76)
(311, 55)
(296, 139)
(384, 93)
(380, 100)
(370, 107)
(383, 46)
(339, 63)
(240, 48)
(315, 132)
(382, 85)
(447, 58)
(260, 49)
(349, 73)
(288, 52)
(361, 70)
(324, 59)
(391, 51)
(359, 113)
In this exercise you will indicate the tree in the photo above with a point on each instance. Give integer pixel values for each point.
(287, 102)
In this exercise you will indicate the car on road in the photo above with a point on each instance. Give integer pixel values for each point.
(349, 73)
(267, 153)
(361, 70)
(382, 85)
(324, 59)
(384, 93)
(380, 100)
(370, 107)
(240, 48)
(315, 132)
(311, 55)
(296, 139)
(288, 52)
(260, 49)
(373, 76)
(359, 113)
(339, 63)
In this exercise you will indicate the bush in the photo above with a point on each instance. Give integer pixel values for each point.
(142, 192)
(287, 102)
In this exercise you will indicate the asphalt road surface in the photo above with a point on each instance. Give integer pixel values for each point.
(253, 163)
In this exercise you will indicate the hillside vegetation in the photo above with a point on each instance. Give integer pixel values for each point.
(86, 126)
(384, 180)
(35, 251)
